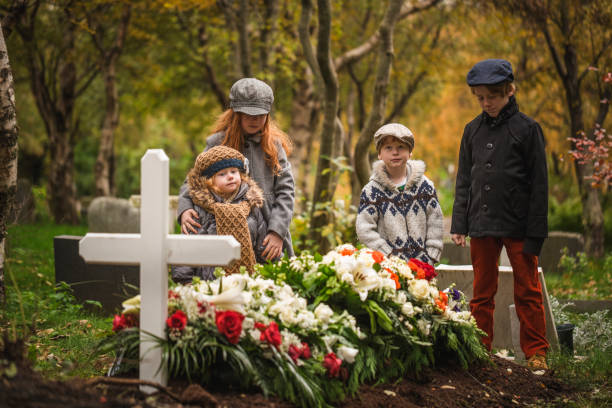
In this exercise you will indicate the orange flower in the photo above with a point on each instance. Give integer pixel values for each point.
(444, 297)
(377, 256)
(394, 277)
(347, 251)
(440, 305)
(420, 274)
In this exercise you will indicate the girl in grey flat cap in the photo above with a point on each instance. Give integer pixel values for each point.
(248, 128)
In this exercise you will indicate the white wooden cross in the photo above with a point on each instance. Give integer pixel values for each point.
(154, 249)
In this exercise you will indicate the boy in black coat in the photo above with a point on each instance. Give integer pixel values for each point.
(501, 199)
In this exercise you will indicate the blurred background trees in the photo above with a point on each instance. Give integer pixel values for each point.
(339, 70)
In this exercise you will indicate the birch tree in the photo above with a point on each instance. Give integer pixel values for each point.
(8, 151)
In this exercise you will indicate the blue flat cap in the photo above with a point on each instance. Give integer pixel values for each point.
(490, 72)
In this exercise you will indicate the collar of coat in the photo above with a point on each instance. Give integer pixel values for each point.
(248, 189)
(415, 170)
(510, 109)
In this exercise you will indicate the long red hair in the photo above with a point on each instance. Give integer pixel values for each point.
(229, 122)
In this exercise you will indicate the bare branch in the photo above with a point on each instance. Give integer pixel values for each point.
(370, 44)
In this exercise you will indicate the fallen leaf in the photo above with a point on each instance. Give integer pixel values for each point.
(393, 394)
(10, 371)
(448, 387)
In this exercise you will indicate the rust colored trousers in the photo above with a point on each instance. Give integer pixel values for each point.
(485, 254)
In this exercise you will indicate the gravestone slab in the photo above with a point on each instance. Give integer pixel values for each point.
(463, 277)
(554, 244)
(452, 254)
(108, 284)
(548, 259)
(112, 214)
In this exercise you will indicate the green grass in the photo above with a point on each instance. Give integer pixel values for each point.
(582, 278)
(59, 333)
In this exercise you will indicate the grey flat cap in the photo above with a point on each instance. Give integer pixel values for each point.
(251, 96)
(490, 72)
(398, 131)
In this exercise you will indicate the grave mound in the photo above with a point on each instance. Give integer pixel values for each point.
(502, 384)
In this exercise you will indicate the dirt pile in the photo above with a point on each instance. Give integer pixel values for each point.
(502, 384)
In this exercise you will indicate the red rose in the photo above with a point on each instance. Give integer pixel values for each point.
(306, 354)
(428, 271)
(229, 323)
(119, 323)
(260, 326)
(332, 363)
(378, 256)
(296, 352)
(271, 335)
(177, 321)
(124, 321)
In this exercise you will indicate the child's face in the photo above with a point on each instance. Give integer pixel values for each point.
(252, 124)
(394, 153)
(227, 180)
(490, 102)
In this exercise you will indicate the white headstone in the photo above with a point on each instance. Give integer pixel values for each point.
(153, 249)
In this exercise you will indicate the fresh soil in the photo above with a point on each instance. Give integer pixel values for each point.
(500, 384)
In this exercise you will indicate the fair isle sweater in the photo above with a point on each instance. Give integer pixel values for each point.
(406, 223)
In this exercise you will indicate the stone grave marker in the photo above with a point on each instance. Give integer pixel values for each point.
(108, 284)
(548, 259)
(154, 249)
(463, 277)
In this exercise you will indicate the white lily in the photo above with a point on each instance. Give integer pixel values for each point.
(132, 305)
(231, 299)
(347, 354)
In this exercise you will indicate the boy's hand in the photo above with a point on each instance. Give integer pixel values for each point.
(458, 239)
(189, 223)
(273, 246)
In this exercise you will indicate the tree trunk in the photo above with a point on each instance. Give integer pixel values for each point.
(243, 38)
(61, 188)
(303, 112)
(385, 59)
(104, 167)
(104, 170)
(323, 176)
(8, 152)
(592, 214)
(268, 32)
(56, 110)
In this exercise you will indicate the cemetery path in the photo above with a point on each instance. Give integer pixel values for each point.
(501, 384)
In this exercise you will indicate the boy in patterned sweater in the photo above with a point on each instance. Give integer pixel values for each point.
(399, 213)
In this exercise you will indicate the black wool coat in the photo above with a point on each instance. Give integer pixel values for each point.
(502, 179)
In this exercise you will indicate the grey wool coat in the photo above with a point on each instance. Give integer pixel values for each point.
(278, 189)
(406, 223)
(258, 229)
